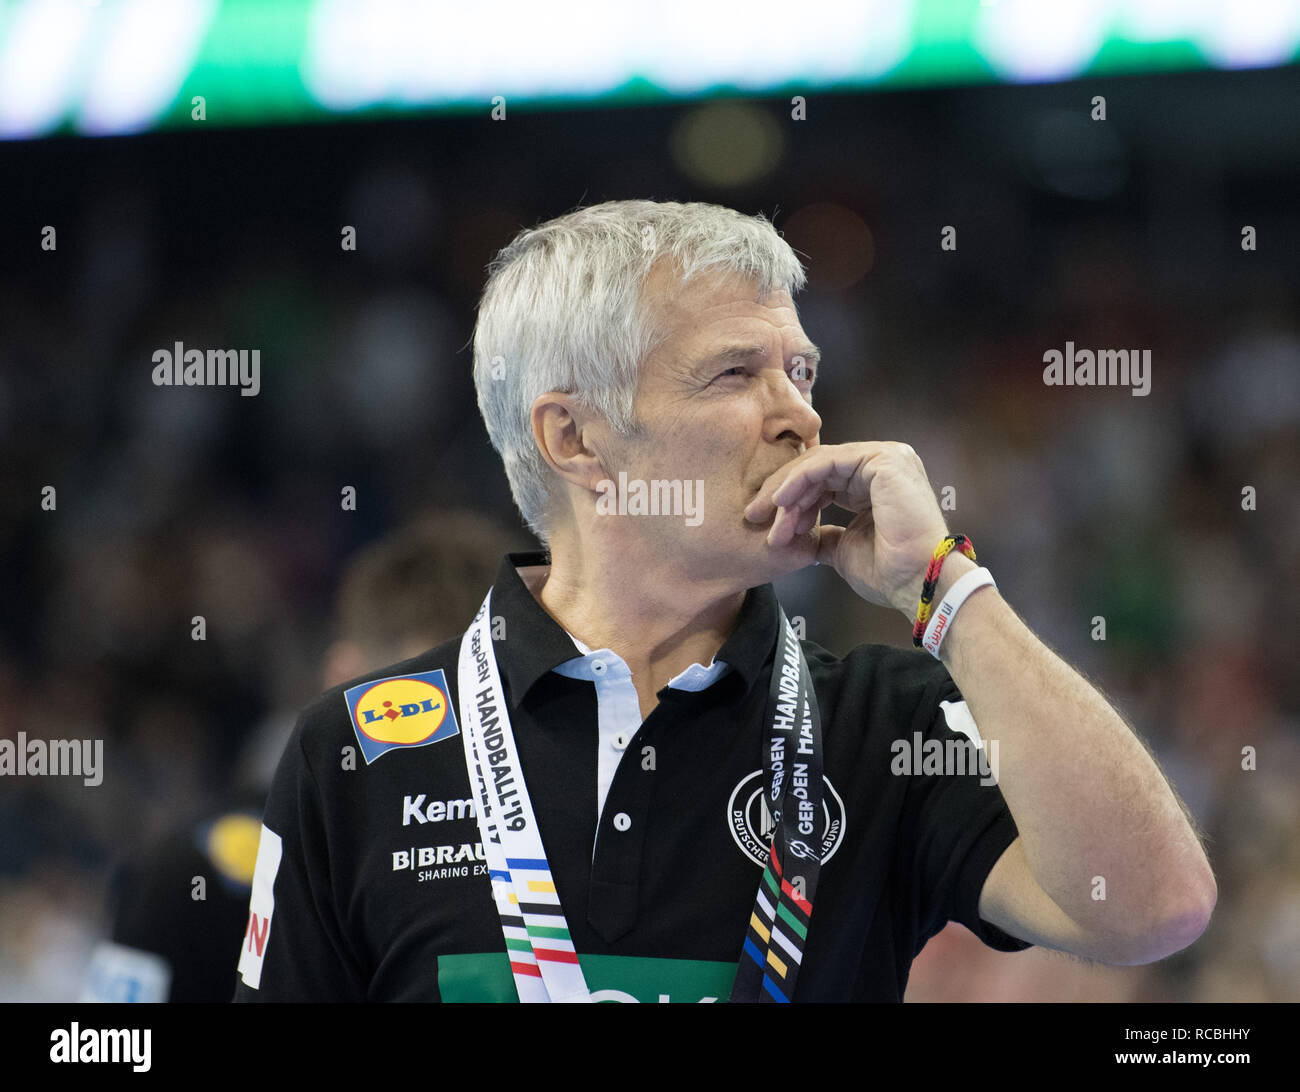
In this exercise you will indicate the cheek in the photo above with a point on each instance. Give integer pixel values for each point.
(711, 454)
(708, 443)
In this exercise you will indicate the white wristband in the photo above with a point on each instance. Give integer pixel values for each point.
(943, 614)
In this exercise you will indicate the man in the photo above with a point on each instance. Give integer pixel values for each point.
(609, 788)
(179, 906)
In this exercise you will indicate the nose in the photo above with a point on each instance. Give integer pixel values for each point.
(790, 415)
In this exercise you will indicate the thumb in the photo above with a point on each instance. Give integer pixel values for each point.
(828, 543)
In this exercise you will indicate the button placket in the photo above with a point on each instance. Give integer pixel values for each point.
(620, 845)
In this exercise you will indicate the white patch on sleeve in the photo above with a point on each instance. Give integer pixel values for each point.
(959, 720)
(261, 905)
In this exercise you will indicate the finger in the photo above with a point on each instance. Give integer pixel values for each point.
(828, 542)
(808, 497)
(811, 510)
(762, 507)
(783, 527)
(842, 470)
(818, 498)
(759, 509)
(829, 469)
(775, 531)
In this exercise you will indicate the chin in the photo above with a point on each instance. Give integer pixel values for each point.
(739, 556)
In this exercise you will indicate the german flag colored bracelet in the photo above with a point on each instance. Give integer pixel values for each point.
(962, 545)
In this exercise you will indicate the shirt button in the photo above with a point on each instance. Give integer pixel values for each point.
(622, 821)
(620, 741)
(598, 667)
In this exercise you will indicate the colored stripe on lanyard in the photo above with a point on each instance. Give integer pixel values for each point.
(541, 953)
(792, 785)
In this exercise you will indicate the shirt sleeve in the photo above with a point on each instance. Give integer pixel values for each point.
(956, 821)
(294, 948)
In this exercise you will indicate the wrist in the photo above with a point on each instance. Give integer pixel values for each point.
(955, 566)
(946, 613)
(958, 583)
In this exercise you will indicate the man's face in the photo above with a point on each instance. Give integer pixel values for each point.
(726, 400)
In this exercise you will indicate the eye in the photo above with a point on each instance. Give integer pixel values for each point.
(803, 373)
(738, 370)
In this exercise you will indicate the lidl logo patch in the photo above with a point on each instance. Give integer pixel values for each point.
(407, 711)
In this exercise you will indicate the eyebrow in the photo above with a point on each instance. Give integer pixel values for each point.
(740, 354)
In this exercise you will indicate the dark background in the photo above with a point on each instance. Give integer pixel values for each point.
(175, 502)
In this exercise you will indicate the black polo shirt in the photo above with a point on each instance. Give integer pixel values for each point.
(381, 892)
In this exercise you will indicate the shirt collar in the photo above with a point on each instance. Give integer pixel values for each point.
(536, 644)
(592, 666)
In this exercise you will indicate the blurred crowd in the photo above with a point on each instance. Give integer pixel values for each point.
(1087, 503)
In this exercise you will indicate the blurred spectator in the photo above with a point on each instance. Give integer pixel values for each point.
(179, 908)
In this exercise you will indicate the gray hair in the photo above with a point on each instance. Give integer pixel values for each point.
(564, 310)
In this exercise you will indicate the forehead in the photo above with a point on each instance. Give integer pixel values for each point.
(715, 308)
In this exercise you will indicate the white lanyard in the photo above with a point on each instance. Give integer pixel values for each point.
(542, 957)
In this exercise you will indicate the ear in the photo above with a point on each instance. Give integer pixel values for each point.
(562, 431)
